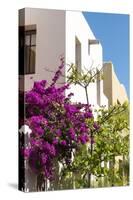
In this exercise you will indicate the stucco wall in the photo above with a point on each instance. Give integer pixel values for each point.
(112, 87)
(50, 41)
(56, 32)
(91, 56)
(119, 92)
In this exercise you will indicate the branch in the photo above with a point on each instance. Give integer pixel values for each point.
(98, 72)
(54, 72)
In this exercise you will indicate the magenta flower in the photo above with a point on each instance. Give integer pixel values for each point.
(88, 115)
(63, 143)
(96, 126)
(26, 152)
(55, 141)
(38, 131)
(84, 138)
(72, 133)
(44, 158)
(58, 126)
(58, 132)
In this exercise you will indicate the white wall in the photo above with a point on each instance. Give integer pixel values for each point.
(50, 40)
(56, 32)
(76, 26)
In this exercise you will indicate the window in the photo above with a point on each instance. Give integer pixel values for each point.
(27, 50)
(78, 54)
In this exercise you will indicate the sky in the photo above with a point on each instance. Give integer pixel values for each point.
(113, 32)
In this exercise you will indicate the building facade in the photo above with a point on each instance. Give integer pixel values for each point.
(112, 88)
(45, 35)
(51, 33)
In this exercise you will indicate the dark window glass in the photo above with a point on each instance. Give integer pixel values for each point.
(27, 51)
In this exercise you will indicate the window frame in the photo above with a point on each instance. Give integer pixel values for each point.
(23, 31)
(29, 70)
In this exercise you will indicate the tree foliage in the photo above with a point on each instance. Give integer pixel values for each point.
(67, 133)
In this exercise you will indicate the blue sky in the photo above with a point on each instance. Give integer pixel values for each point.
(113, 32)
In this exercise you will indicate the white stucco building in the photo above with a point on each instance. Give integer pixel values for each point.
(45, 35)
(51, 33)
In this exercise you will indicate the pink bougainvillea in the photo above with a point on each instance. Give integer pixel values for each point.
(58, 125)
